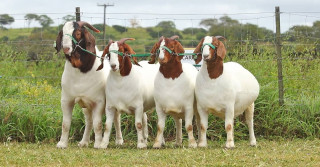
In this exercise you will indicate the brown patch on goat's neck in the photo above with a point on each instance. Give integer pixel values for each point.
(125, 65)
(81, 60)
(215, 67)
(171, 69)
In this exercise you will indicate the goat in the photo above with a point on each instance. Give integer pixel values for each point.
(129, 89)
(80, 82)
(224, 89)
(173, 89)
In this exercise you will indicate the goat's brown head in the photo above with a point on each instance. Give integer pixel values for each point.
(73, 36)
(167, 49)
(119, 56)
(210, 49)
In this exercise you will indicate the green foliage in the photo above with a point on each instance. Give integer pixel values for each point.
(120, 29)
(6, 19)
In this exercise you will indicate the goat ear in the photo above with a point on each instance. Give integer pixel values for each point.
(59, 42)
(90, 41)
(105, 51)
(154, 52)
(135, 61)
(198, 52)
(178, 49)
(221, 50)
(128, 49)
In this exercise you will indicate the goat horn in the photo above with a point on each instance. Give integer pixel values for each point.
(83, 23)
(174, 37)
(218, 37)
(124, 40)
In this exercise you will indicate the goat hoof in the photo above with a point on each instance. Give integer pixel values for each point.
(103, 145)
(193, 145)
(62, 145)
(157, 145)
(202, 144)
(119, 141)
(230, 145)
(83, 144)
(142, 146)
(253, 143)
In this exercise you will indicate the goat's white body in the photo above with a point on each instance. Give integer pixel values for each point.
(88, 90)
(175, 97)
(131, 94)
(227, 96)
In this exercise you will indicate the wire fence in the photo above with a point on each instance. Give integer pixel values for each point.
(305, 55)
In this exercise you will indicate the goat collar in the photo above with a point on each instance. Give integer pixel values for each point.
(78, 45)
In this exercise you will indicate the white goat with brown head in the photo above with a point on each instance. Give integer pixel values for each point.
(173, 89)
(224, 89)
(80, 82)
(129, 89)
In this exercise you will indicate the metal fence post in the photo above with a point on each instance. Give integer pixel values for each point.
(279, 57)
(77, 13)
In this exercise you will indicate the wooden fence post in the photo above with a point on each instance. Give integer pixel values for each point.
(78, 14)
(279, 57)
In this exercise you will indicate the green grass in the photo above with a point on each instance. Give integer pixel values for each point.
(268, 153)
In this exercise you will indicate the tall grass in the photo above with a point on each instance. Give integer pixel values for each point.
(30, 99)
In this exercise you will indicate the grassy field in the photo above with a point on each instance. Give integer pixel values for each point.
(268, 153)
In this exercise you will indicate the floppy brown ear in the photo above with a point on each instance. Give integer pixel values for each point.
(105, 51)
(90, 41)
(154, 52)
(221, 50)
(59, 42)
(197, 50)
(128, 49)
(178, 48)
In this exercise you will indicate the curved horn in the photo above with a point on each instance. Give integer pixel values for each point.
(124, 40)
(83, 23)
(218, 37)
(174, 37)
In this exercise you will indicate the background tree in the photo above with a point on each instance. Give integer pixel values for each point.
(31, 17)
(69, 18)
(120, 29)
(45, 21)
(5, 19)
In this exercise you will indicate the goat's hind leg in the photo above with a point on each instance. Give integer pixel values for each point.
(87, 131)
(249, 112)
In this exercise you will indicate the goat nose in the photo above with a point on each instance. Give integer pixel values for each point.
(66, 50)
(113, 66)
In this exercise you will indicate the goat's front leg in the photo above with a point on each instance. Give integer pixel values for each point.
(97, 123)
(203, 115)
(110, 112)
(161, 124)
(66, 107)
(229, 116)
(139, 127)
(178, 123)
(86, 135)
(117, 125)
(189, 127)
